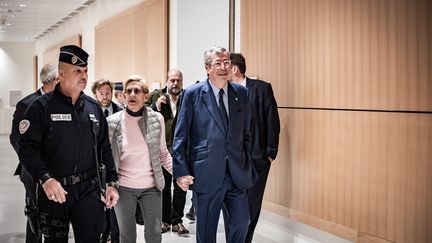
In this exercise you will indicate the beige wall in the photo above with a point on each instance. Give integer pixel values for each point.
(134, 42)
(52, 53)
(352, 79)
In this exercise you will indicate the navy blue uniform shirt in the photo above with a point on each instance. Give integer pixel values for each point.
(57, 138)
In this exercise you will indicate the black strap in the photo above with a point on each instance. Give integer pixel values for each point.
(76, 178)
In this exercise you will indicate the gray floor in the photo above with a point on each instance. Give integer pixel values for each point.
(272, 228)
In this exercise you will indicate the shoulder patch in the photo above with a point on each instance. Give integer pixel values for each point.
(24, 126)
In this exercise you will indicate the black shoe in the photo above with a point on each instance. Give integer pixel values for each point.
(165, 227)
(180, 229)
(191, 214)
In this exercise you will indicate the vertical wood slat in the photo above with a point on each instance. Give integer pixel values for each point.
(133, 42)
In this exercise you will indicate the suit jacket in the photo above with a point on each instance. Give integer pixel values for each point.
(202, 148)
(116, 107)
(20, 109)
(265, 125)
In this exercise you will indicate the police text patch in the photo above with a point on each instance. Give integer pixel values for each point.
(61, 117)
(23, 126)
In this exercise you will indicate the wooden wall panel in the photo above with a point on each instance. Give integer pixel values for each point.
(349, 54)
(368, 171)
(52, 53)
(346, 164)
(134, 42)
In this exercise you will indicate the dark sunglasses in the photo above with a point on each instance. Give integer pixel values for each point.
(135, 90)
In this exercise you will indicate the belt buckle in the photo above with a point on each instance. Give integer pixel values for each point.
(75, 179)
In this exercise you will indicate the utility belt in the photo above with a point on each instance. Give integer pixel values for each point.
(76, 178)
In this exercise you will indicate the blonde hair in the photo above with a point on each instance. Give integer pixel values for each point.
(139, 80)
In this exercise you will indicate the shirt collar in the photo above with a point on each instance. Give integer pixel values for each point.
(216, 89)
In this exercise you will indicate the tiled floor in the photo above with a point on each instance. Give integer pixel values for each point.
(272, 228)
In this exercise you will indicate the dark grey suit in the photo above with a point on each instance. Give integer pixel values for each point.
(27, 180)
(265, 128)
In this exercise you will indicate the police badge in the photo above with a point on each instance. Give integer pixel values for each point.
(74, 59)
(23, 126)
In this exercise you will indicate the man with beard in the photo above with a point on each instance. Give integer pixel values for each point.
(103, 91)
(165, 101)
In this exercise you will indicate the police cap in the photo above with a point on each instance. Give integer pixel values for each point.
(118, 86)
(73, 55)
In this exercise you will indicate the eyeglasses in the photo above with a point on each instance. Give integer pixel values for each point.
(135, 90)
(219, 64)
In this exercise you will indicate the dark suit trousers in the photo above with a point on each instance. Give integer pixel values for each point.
(255, 197)
(234, 205)
(172, 207)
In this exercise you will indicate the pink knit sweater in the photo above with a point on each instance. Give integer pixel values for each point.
(135, 170)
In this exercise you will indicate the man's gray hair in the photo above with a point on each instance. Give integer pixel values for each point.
(174, 71)
(49, 73)
(213, 50)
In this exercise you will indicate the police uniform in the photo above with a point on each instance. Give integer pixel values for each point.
(29, 183)
(57, 141)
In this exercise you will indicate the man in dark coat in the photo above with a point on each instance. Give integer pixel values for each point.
(265, 128)
(48, 77)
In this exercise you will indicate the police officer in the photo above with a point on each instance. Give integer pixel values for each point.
(48, 76)
(58, 138)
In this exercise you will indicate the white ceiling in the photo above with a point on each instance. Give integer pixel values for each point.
(27, 20)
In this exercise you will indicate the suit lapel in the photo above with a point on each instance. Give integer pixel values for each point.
(250, 85)
(210, 102)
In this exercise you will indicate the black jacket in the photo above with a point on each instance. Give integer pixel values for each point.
(59, 138)
(21, 107)
(265, 124)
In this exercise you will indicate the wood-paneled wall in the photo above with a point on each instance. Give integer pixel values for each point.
(52, 53)
(363, 54)
(353, 83)
(134, 42)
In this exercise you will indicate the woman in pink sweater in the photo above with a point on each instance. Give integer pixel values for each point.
(137, 136)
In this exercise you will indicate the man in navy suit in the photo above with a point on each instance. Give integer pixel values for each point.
(265, 128)
(212, 150)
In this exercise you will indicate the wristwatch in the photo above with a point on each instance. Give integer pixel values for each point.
(114, 184)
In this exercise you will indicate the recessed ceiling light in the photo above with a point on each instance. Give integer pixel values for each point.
(23, 5)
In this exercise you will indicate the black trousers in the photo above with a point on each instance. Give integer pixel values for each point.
(172, 206)
(111, 228)
(255, 197)
(30, 194)
(83, 209)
